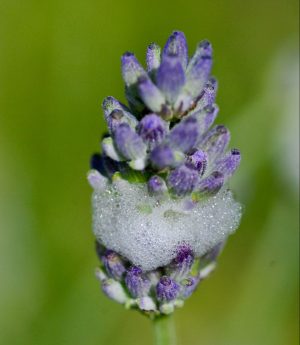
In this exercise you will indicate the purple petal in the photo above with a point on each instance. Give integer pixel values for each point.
(176, 45)
(211, 184)
(215, 142)
(183, 180)
(150, 94)
(131, 69)
(167, 289)
(136, 282)
(162, 156)
(170, 77)
(198, 161)
(152, 129)
(185, 134)
(153, 57)
(156, 185)
(229, 163)
(199, 68)
(128, 143)
(113, 264)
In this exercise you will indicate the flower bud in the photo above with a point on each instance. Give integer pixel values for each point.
(215, 142)
(183, 180)
(229, 163)
(152, 129)
(128, 143)
(113, 264)
(167, 289)
(150, 94)
(198, 161)
(96, 180)
(211, 184)
(109, 149)
(112, 288)
(137, 283)
(199, 68)
(206, 116)
(146, 303)
(131, 69)
(176, 45)
(162, 156)
(116, 117)
(184, 135)
(170, 77)
(110, 104)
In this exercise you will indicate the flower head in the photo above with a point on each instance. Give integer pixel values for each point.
(162, 209)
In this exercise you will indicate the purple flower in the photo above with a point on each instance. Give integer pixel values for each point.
(184, 135)
(167, 289)
(197, 160)
(199, 68)
(131, 69)
(215, 142)
(128, 143)
(150, 94)
(228, 165)
(176, 45)
(162, 156)
(170, 77)
(211, 184)
(183, 180)
(136, 282)
(152, 129)
(117, 116)
(206, 117)
(113, 264)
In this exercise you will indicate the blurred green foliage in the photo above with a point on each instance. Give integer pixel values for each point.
(58, 60)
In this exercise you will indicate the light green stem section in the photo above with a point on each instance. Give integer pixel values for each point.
(164, 330)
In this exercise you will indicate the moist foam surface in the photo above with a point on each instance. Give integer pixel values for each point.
(148, 232)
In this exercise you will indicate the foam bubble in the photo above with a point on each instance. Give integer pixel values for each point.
(148, 232)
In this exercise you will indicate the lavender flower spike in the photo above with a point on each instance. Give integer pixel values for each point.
(162, 208)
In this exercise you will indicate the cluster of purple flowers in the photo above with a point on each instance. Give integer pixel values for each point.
(166, 132)
(165, 138)
(155, 292)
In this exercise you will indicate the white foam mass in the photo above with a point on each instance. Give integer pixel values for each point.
(148, 233)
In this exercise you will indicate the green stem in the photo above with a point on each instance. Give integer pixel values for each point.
(164, 330)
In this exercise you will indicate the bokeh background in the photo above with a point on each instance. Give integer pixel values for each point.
(58, 60)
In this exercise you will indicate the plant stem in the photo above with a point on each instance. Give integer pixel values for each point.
(164, 330)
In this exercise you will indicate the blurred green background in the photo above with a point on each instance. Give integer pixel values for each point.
(58, 60)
